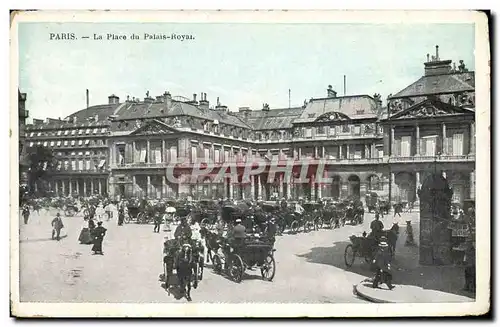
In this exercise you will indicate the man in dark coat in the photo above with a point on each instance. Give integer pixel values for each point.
(57, 225)
(98, 236)
(121, 214)
(183, 231)
(382, 264)
(377, 227)
(470, 267)
(158, 218)
(26, 213)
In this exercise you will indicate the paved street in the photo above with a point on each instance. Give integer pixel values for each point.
(310, 267)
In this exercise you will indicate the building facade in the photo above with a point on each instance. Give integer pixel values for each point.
(131, 148)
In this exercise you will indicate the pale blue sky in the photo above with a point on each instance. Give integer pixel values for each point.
(243, 64)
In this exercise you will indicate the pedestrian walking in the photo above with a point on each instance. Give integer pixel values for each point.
(57, 225)
(26, 213)
(470, 266)
(98, 235)
(382, 264)
(121, 214)
(157, 220)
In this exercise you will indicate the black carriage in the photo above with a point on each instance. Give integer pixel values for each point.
(385, 206)
(173, 255)
(255, 252)
(354, 212)
(362, 247)
(207, 212)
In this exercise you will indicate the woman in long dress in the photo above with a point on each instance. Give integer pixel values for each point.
(85, 237)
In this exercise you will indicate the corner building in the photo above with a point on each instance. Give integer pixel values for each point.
(428, 126)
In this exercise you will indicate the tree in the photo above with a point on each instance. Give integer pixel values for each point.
(41, 163)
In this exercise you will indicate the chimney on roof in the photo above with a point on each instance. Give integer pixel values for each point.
(436, 66)
(204, 104)
(87, 97)
(265, 107)
(148, 99)
(113, 99)
(167, 99)
(330, 92)
(194, 97)
(37, 121)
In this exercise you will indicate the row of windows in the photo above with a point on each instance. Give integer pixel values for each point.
(87, 131)
(81, 153)
(81, 165)
(360, 129)
(67, 143)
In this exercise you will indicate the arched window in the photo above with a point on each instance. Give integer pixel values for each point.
(374, 183)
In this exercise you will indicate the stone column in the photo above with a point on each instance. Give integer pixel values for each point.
(367, 151)
(322, 152)
(472, 185)
(373, 151)
(340, 151)
(91, 186)
(225, 188)
(163, 186)
(443, 141)
(300, 153)
(312, 184)
(319, 193)
(417, 140)
(70, 187)
(347, 151)
(148, 186)
(231, 189)
(100, 186)
(133, 151)
(84, 187)
(362, 190)
(392, 189)
(472, 138)
(289, 188)
(134, 186)
(417, 184)
(252, 187)
(148, 152)
(163, 152)
(392, 141)
(259, 188)
(315, 152)
(63, 187)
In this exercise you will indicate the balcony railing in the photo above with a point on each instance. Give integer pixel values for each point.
(442, 158)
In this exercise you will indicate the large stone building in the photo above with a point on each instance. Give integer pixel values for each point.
(124, 148)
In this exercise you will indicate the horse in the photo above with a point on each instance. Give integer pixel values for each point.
(185, 270)
(392, 237)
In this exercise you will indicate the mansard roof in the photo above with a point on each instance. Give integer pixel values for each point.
(270, 119)
(438, 84)
(351, 106)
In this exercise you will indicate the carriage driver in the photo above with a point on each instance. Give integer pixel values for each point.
(183, 232)
(377, 227)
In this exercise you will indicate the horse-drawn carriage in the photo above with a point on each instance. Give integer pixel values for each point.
(366, 246)
(234, 259)
(206, 212)
(185, 256)
(70, 207)
(354, 212)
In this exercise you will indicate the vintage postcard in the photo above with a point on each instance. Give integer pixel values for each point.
(250, 164)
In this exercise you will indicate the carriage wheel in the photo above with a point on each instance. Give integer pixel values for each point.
(217, 264)
(236, 269)
(349, 255)
(204, 222)
(268, 269)
(333, 223)
(318, 223)
(294, 227)
(127, 219)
